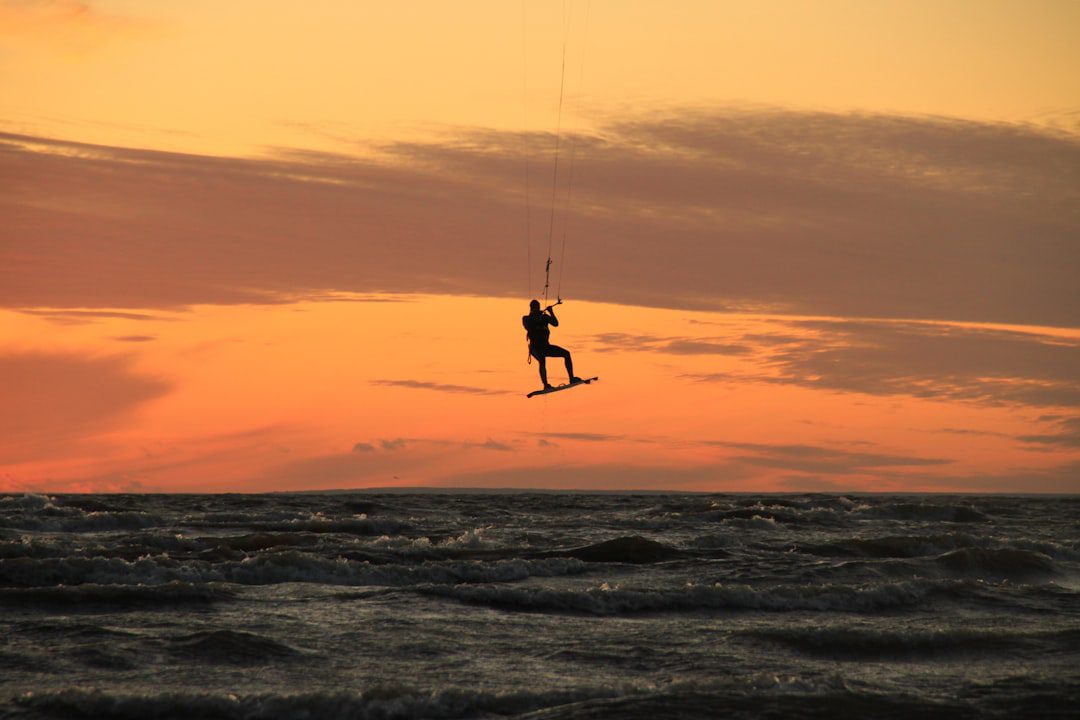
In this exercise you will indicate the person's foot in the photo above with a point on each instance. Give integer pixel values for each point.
(575, 379)
(549, 386)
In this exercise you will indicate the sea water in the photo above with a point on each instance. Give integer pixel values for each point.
(540, 605)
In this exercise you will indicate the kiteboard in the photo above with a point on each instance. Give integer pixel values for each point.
(557, 388)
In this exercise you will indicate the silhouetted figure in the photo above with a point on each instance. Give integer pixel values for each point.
(536, 325)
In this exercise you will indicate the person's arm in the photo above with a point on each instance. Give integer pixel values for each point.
(554, 320)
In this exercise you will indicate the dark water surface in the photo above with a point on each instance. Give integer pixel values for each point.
(539, 605)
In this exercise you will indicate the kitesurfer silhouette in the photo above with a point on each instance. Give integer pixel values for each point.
(536, 325)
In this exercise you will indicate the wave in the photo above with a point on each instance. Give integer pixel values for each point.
(775, 513)
(739, 697)
(104, 657)
(925, 511)
(903, 557)
(860, 643)
(89, 504)
(344, 526)
(607, 600)
(715, 542)
(775, 696)
(1056, 550)
(27, 501)
(770, 697)
(27, 547)
(821, 510)
(382, 702)
(998, 564)
(254, 542)
(272, 568)
(230, 646)
(92, 596)
(132, 546)
(760, 512)
(363, 507)
(755, 522)
(73, 632)
(229, 518)
(893, 546)
(76, 520)
(632, 549)
(15, 663)
(298, 567)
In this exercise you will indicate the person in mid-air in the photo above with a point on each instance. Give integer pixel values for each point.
(536, 325)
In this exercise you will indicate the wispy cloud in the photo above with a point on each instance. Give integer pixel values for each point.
(80, 317)
(613, 476)
(824, 460)
(440, 387)
(584, 436)
(818, 214)
(927, 360)
(134, 338)
(606, 342)
(386, 461)
(1068, 435)
(392, 444)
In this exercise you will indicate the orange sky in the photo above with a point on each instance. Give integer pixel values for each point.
(809, 246)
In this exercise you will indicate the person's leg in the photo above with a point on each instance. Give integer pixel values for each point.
(556, 351)
(541, 361)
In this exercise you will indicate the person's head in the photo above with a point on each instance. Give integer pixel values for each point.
(534, 306)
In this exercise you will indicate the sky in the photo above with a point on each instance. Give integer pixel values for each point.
(261, 246)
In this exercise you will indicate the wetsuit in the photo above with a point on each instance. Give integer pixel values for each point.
(536, 325)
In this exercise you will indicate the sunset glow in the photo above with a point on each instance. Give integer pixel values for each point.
(263, 246)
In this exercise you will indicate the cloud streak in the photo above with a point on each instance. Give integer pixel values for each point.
(816, 214)
(82, 317)
(607, 342)
(1068, 435)
(815, 459)
(925, 360)
(584, 436)
(440, 387)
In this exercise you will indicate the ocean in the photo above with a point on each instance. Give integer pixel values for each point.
(539, 605)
